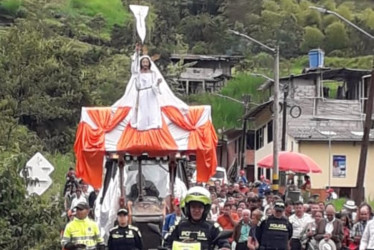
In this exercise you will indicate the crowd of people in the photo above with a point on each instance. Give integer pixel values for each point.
(257, 218)
(262, 220)
(75, 192)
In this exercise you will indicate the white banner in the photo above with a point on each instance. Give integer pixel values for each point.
(140, 13)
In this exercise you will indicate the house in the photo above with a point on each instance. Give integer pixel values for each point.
(205, 73)
(324, 120)
(228, 148)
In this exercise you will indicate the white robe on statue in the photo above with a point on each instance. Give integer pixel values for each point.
(146, 98)
(147, 111)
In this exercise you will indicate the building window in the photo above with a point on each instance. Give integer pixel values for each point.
(250, 140)
(270, 131)
(260, 138)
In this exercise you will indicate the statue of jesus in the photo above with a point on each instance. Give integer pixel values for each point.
(147, 112)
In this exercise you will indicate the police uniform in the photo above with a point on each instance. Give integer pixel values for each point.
(274, 233)
(125, 238)
(83, 231)
(204, 232)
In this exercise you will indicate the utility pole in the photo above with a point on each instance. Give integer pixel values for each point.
(359, 193)
(247, 100)
(284, 114)
(276, 122)
(282, 175)
(275, 53)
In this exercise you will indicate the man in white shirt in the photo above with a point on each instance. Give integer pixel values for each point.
(299, 221)
(367, 239)
(78, 199)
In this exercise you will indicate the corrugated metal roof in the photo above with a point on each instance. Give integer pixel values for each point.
(325, 73)
(338, 135)
(205, 57)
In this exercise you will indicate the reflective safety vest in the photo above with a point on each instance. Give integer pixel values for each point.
(83, 231)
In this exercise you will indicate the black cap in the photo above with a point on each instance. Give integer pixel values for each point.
(82, 205)
(279, 206)
(122, 211)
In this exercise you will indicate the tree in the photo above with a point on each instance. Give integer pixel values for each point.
(313, 38)
(289, 37)
(98, 23)
(346, 10)
(208, 29)
(238, 10)
(368, 17)
(327, 20)
(336, 37)
(122, 37)
(168, 17)
(25, 222)
(311, 18)
(47, 79)
(270, 22)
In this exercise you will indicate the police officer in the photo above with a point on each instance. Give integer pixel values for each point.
(82, 232)
(196, 206)
(124, 236)
(275, 232)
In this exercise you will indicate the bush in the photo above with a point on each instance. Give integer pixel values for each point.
(336, 37)
(227, 113)
(26, 222)
(313, 38)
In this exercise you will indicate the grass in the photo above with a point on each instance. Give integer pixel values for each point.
(227, 113)
(244, 84)
(112, 10)
(333, 86)
(11, 6)
(61, 164)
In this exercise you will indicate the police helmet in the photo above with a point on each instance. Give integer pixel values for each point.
(196, 194)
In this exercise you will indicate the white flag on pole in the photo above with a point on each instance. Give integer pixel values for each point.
(140, 13)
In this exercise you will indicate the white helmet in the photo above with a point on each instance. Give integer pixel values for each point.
(196, 194)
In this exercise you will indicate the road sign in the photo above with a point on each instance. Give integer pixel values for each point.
(38, 170)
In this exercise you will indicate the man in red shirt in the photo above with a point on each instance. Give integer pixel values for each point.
(228, 220)
(242, 188)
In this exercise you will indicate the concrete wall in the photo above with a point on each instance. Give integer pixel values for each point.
(304, 89)
(225, 66)
(250, 157)
(319, 152)
(228, 154)
(262, 121)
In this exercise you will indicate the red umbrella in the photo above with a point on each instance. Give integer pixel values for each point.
(292, 161)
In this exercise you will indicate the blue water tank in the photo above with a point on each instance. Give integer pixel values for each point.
(316, 58)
